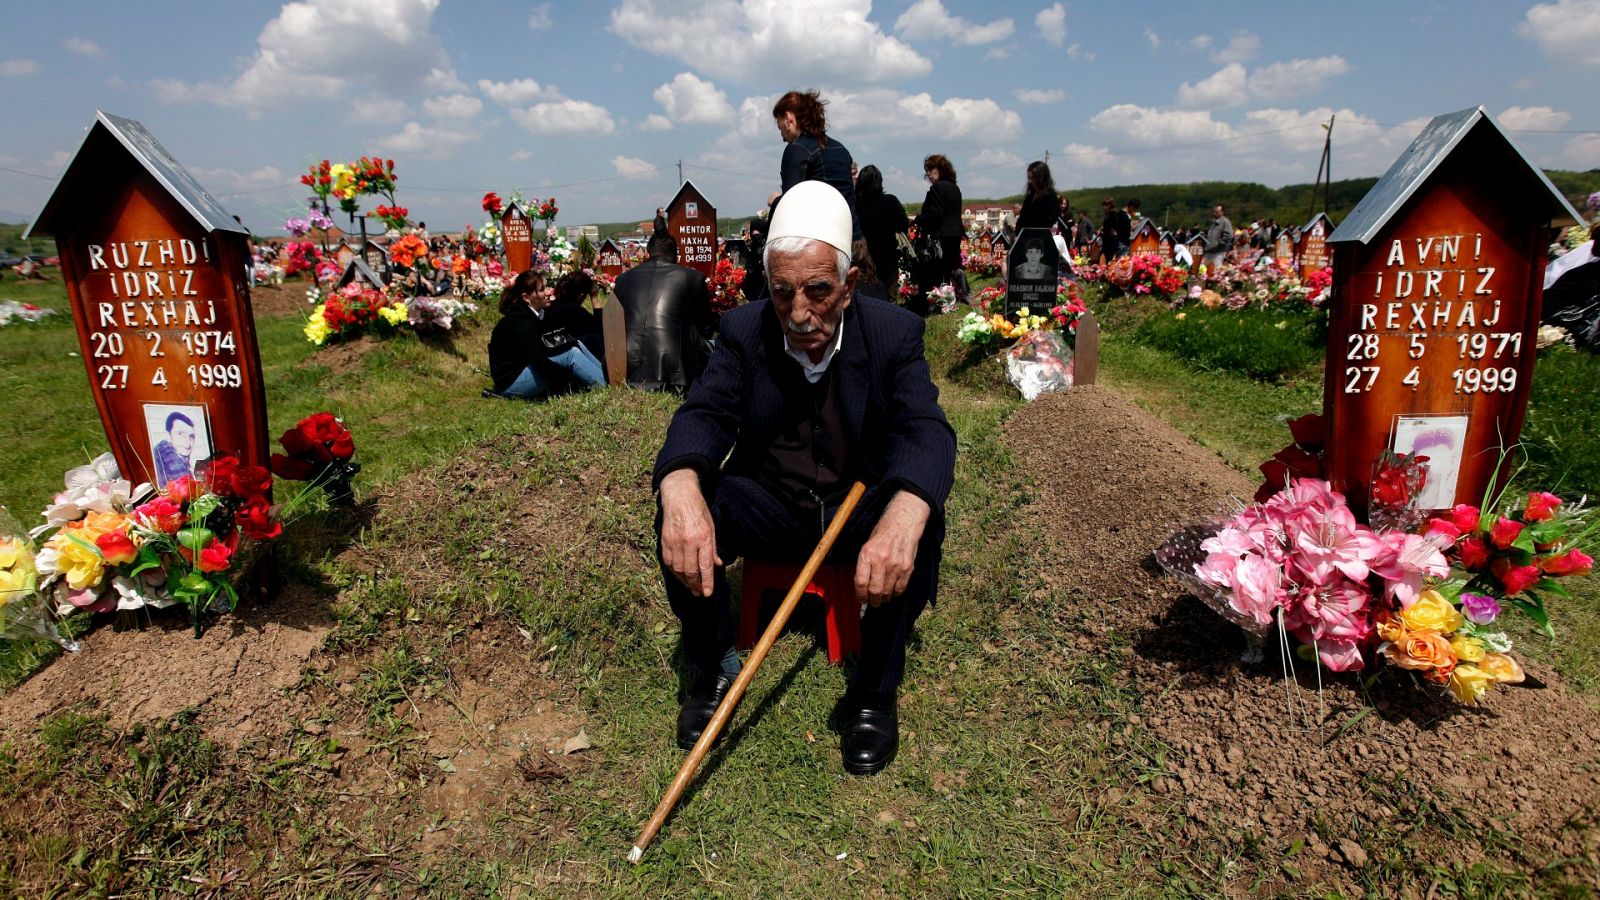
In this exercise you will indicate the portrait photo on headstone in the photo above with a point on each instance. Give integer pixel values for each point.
(180, 436)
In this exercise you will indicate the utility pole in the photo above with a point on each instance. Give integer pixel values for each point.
(1324, 172)
(1047, 157)
(680, 173)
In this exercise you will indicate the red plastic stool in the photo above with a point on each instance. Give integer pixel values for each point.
(836, 585)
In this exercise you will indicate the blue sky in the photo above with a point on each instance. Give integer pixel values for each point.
(596, 103)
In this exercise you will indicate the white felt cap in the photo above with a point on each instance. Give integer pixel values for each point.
(813, 209)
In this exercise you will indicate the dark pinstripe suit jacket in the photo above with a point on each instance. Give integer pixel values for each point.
(898, 435)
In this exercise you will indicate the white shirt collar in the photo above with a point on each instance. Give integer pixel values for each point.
(814, 370)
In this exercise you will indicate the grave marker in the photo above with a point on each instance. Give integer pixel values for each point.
(1146, 240)
(1031, 273)
(516, 233)
(1437, 280)
(155, 272)
(693, 222)
(608, 259)
(1314, 245)
(1283, 248)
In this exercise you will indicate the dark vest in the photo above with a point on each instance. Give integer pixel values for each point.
(808, 461)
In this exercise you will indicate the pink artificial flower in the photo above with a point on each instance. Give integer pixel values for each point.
(1330, 541)
(1444, 530)
(1541, 506)
(1465, 516)
(1404, 561)
(1257, 589)
(1341, 656)
(1572, 562)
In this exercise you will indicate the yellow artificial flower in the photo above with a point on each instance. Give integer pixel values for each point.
(1502, 668)
(1432, 612)
(1469, 682)
(317, 330)
(1182, 316)
(16, 569)
(78, 559)
(343, 179)
(1468, 650)
(394, 313)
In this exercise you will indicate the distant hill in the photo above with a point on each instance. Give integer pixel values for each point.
(11, 242)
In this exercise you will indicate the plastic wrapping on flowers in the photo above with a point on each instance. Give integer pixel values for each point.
(1039, 362)
(24, 612)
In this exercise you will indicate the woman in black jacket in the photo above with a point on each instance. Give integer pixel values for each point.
(1040, 205)
(801, 117)
(531, 352)
(940, 219)
(883, 219)
(567, 311)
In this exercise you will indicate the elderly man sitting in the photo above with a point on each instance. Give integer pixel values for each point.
(806, 393)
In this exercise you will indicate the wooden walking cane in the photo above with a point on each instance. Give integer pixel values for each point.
(691, 763)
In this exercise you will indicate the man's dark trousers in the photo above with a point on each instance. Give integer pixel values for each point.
(751, 523)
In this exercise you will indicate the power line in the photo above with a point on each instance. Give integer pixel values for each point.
(29, 174)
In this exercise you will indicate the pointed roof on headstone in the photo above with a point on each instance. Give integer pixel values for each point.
(1324, 217)
(358, 270)
(687, 191)
(107, 133)
(1440, 138)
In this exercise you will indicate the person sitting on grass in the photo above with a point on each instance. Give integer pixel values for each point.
(532, 354)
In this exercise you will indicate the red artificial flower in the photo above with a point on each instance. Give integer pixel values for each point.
(1541, 506)
(1474, 553)
(1441, 528)
(255, 519)
(1572, 562)
(1389, 487)
(1515, 579)
(1504, 532)
(1290, 462)
(215, 556)
(292, 468)
(116, 547)
(1465, 516)
(220, 472)
(252, 481)
(182, 490)
(162, 514)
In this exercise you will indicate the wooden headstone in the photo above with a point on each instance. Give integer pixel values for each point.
(1437, 279)
(693, 223)
(155, 272)
(1086, 350)
(614, 332)
(1031, 273)
(344, 254)
(1283, 248)
(1146, 239)
(608, 259)
(1165, 248)
(1314, 245)
(516, 233)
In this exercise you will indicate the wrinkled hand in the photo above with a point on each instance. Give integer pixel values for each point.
(884, 567)
(688, 535)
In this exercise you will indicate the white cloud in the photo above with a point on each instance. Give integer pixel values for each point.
(18, 67)
(453, 106)
(1241, 47)
(521, 155)
(1081, 162)
(325, 49)
(999, 51)
(222, 181)
(892, 114)
(655, 122)
(1233, 85)
(1225, 87)
(539, 18)
(379, 109)
(425, 142)
(1151, 38)
(992, 157)
(929, 20)
(825, 40)
(1534, 118)
(631, 165)
(1568, 31)
(1580, 152)
(1076, 51)
(565, 118)
(1039, 96)
(690, 100)
(1200, 42)
(82, 46)
(1147, 127)
(517, 92)
(1297, 76)
(1052, 24)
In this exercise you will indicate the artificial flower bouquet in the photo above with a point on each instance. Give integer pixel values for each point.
(24, 612)
(1039, 362)
(12, 311)
(943, 298)
(320, 451)
(1422, 597)
(352, 311)
(106, 545)
(726, 286)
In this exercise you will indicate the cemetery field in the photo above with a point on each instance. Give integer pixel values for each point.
(468, 686)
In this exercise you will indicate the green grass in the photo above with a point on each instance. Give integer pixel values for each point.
(1019, 769)
(1264, 344)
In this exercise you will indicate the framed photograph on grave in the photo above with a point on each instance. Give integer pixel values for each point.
(1441, 438)
(1031, 273)
(179, 437)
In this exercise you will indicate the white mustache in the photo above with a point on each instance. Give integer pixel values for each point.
(803, 329)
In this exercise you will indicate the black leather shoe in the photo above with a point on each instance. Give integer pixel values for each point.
(869, 737)
(704, 697)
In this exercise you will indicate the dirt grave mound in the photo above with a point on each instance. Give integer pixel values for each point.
(1111, 481)
(239, 672)
(267, 300)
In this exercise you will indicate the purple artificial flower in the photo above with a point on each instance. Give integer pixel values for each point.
(1594, 202)
(1479, 609)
